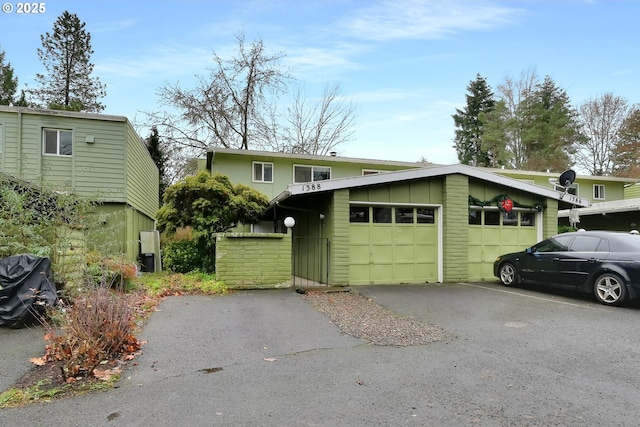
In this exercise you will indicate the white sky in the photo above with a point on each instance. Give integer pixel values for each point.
(405, 64)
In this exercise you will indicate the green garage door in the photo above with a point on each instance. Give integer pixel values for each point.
(493, 233)
(393, 245)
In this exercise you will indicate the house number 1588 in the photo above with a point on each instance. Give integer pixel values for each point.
(310, 187)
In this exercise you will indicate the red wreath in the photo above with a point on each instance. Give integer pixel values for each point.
(506, 204)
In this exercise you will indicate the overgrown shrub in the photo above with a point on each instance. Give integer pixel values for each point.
(184, 252)
(97, 327)
(109, 271)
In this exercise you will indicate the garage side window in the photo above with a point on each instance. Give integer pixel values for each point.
(510, 218)
(359, 214)
(527, 219)
(492, 217)
(382, 215)
(475, 217)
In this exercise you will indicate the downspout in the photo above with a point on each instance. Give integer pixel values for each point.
(19, 144)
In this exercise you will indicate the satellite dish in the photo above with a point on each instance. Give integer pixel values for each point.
(567, 177)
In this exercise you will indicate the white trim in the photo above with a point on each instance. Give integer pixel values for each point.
(58, 131)
(396, 205)
(603, 195)
(625, 205)
(253, 170)
(429, 172)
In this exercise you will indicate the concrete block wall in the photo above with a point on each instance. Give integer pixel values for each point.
(455, 227)
(253, 260)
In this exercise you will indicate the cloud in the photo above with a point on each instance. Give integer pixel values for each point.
(424, 19)
(165, 61)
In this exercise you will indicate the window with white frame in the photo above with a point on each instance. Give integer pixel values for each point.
(598, 191)
(262, 172)
(304, 173)
(57, 142)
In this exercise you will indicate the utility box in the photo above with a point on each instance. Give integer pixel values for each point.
(150, 251)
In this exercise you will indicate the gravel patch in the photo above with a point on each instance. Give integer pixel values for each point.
(361, 317)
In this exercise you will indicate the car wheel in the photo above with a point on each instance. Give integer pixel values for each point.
(610, 289)
(508, 274)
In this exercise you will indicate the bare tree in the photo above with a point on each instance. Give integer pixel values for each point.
(626, 153)
(601, 119)
(226, 108)
(318, 127)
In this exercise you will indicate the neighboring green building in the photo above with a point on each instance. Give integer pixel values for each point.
(91, 155)
(360, 222)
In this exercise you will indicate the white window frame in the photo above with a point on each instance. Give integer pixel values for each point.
(1, 137)
(253, 169)
(598, 192)
(58, 131)
(312, 167)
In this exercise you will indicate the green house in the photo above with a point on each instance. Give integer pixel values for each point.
(91, 155)
(361, 221)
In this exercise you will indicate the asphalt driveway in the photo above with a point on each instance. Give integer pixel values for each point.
(266, 358)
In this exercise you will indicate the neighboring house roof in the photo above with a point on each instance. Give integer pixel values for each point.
(212, 152)
(63, 113)
(615, 206)
(424, 172)
(552, 175)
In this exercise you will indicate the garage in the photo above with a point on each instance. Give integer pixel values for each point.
(437, 224)
(393, 244)
(493, 232)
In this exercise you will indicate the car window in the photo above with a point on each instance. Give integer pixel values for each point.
(554, 244)
(627, 242)
(586, 244)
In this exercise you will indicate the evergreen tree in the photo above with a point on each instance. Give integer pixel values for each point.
(8, 82)
(159, 158)
(496, 133)
(551, 128)
(470, 126)
(66, 53)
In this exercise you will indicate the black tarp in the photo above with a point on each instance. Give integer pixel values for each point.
(26, 289)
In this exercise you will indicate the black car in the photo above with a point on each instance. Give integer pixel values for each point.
(603, 262)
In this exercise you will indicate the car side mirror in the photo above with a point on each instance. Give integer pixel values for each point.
(530, 250)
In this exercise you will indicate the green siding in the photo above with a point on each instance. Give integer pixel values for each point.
(427, 191)
(253, 260)
(632, 191)
(110, 165)
(614, 187)
(550, 219)
(337, 226)
(455, 225)
(239, 168)
(142, 175)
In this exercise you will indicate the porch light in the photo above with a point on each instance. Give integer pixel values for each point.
(289, 222)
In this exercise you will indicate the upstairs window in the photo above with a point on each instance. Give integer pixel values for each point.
(57, 142)
(310, 173)
(598, 192)
(262, 172)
